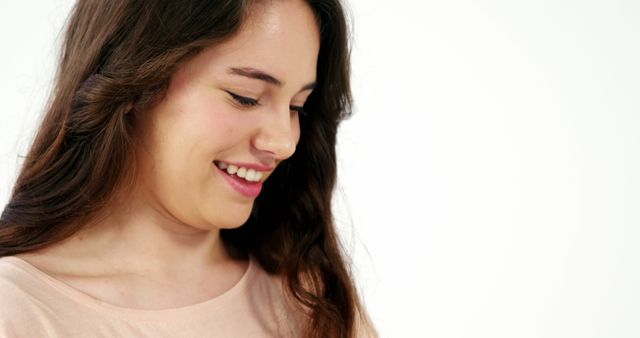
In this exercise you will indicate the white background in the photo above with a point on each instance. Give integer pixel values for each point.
(489, 179)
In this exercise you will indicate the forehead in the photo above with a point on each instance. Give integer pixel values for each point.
(281, 37)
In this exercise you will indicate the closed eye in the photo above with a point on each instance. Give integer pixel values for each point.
(243, 100)
(249, 102)
(299, 110)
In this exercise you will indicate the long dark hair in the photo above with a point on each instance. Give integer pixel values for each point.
(118, 56)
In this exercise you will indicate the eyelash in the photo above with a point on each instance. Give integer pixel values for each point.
(249, 102)
(243, 100)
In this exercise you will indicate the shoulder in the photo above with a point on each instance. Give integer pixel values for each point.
(266, 284)
(31, 304)
(270, 288)
(269, 299)
(15, 283)
(271, 292)
(20, 299)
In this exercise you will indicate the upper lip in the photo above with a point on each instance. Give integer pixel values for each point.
(254, 166)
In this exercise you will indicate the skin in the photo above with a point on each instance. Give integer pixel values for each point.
(165, 235)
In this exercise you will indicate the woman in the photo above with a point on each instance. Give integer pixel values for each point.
(180, 184)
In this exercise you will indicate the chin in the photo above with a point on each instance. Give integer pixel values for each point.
(231, 222)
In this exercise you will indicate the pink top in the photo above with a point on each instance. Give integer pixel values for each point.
(33, 304)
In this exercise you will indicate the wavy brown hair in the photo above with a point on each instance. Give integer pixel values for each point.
(118, 56)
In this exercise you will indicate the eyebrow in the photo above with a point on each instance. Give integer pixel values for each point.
(257, 74)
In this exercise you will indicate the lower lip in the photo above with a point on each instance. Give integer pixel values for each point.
(246, 188)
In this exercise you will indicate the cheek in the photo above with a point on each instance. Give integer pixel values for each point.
(216, 123)
(217, 132)
(213, 124)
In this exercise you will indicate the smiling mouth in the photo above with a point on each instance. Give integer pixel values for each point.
(241, 184)
(247, 174)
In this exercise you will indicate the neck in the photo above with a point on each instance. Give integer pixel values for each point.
(142, 238)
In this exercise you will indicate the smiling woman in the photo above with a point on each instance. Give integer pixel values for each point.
(180, 183)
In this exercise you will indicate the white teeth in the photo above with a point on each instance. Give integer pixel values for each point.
(250, 175)
(242, 172)
(232, 169)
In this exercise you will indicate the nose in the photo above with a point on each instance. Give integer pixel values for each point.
(278, 133)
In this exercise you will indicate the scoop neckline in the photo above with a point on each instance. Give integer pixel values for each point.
(140, 314)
